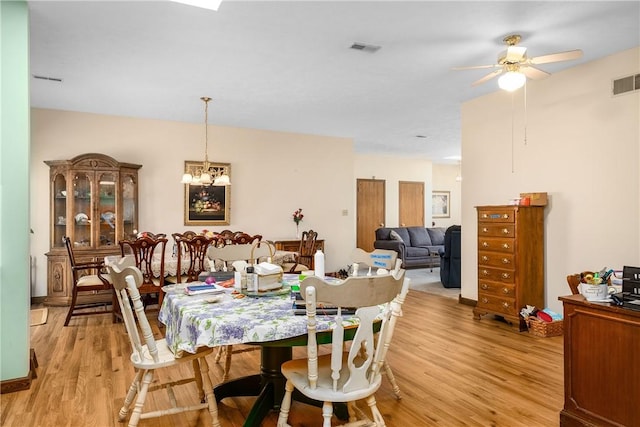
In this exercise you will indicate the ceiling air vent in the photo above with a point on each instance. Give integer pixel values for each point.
(626, 84)
(365, 47)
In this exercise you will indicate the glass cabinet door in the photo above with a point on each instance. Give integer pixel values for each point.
(82, 211)
(59, 216)
(129, 207)
(107, 209)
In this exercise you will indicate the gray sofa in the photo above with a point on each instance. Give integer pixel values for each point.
(416, 246)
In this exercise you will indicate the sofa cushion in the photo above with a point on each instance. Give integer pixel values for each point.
(395, 236)
(402, 232)
(419, 237)
(437, 235)
(383, 233)
(414, 252)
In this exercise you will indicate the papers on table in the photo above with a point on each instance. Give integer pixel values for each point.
(203, 289)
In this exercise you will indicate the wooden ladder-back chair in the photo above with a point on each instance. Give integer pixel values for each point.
(144, 249)
(196, 251)
(346, 376)
(191, 248)
(387, 260)
(304, 258)
(149, 354)
(94, 281)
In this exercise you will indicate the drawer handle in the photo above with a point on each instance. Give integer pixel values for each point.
(485, 258)
(485, 273)
(485, 244)
(505, 245)
(484, 215)
(505, 290)
(505, 231)
(506, 261)
(485, 301)
(484, 286)
(505, 304)
(505, 216)
(506, 275)
(485, 230)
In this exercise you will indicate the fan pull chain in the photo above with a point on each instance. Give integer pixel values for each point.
(513, 113)
(525, 113)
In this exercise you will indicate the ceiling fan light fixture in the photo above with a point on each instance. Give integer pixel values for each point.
(511, 80)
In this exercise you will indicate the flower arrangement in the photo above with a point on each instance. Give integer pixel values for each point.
(297, 216)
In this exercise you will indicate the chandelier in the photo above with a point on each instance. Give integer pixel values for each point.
(207, 174)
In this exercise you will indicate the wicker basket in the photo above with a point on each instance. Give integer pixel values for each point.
(543, 329)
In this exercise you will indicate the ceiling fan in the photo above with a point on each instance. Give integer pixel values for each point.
(515, 66)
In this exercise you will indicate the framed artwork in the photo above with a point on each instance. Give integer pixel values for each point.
(440, 204)
(207, 204)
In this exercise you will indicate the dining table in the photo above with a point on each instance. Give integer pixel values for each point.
(267, 320)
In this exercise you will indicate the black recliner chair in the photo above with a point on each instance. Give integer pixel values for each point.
(450, 258)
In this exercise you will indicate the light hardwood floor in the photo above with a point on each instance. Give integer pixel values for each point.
(453, 371)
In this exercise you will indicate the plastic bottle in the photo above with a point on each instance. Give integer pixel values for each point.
(252, 282)
(318, 261)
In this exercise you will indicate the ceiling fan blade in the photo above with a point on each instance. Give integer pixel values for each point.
(556, 57)
(533, 73)
(476, 67)
(487, 77)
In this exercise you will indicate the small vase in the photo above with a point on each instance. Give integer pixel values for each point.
(297, 231)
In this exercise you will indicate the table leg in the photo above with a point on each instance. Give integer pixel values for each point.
(268, 386)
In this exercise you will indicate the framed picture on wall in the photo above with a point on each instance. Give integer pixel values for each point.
(207, 204)
(440, 204)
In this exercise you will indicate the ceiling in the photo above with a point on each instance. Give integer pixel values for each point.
(288, 66)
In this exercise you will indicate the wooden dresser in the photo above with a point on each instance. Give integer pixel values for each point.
(601, 364)
(510, 261)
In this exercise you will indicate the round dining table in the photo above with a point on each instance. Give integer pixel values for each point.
(268, 320)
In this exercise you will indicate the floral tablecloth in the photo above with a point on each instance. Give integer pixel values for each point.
(192, 321)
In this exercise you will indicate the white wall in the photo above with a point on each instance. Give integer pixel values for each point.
(272, 174)
(392, 170)
(444, 179)
(582, 148)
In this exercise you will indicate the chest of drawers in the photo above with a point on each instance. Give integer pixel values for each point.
(510, 261)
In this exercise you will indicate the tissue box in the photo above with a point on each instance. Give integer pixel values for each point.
(269, 282)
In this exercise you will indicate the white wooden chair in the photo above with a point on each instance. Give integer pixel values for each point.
(384, 259)
(346, 376)
(381, 261)
(149, 354)
(251, 254)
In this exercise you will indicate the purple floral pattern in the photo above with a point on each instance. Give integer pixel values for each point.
(192, 322)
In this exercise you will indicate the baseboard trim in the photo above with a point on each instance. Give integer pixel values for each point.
(24, 383)
(37, 300)
(467, 301)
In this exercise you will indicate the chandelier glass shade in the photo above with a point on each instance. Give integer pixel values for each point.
(207, 174)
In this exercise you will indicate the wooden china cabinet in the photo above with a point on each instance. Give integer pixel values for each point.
(94, 201)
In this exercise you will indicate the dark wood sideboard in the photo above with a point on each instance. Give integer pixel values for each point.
(601, 364)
